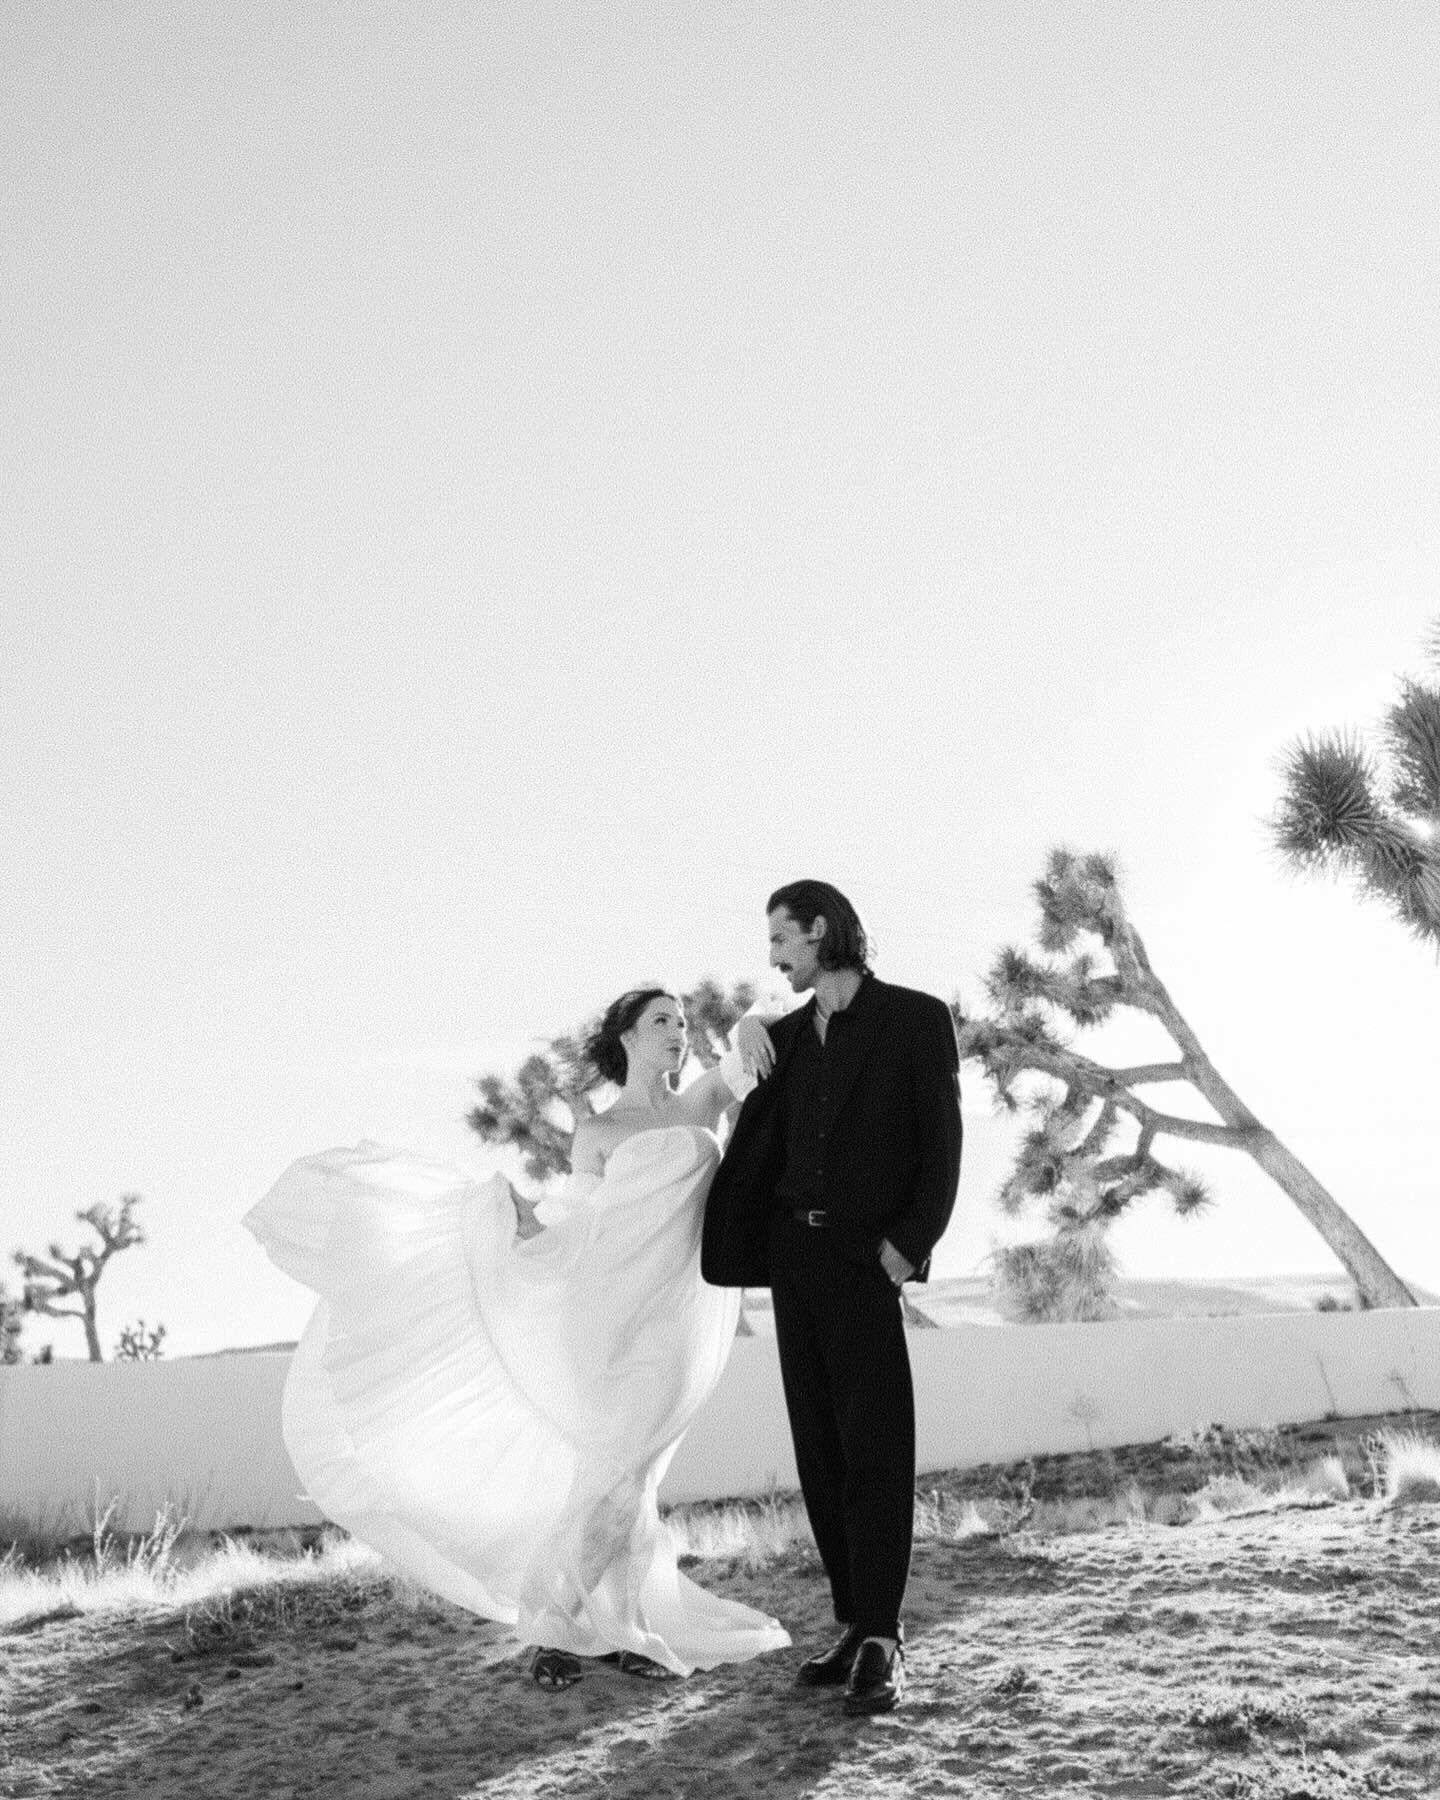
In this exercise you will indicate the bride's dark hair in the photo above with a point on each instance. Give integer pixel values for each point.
(603, 1049)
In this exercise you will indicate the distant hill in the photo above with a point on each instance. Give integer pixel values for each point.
(965, 1300)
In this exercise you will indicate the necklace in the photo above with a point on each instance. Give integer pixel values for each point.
(823, 1013)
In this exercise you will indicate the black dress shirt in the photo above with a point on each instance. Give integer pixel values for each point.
(809, 1106)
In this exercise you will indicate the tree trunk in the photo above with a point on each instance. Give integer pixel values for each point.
(92, 1336)
(1375, 1281)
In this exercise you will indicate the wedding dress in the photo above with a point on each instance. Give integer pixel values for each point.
(494, 1414)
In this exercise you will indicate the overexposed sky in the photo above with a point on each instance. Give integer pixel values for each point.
(490, 491)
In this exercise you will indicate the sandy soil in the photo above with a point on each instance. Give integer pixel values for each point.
(1289, 1655)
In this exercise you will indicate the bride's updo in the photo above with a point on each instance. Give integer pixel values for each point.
(603, 1049)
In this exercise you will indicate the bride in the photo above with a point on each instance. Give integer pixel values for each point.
(490, 1390)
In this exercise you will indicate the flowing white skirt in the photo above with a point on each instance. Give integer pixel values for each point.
(494, 1415)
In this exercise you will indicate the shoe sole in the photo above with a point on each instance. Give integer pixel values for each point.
(860, 1709)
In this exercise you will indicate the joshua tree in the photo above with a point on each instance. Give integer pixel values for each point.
(535, 1110)
(65, 1276)
(1372, 812)
(140, 1343)
(11, 1319)
(1068, 1157)
(1069, 1275)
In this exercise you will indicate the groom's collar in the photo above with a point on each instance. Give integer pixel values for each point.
(861, 1000)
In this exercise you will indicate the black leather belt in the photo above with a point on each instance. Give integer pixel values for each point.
(814, 1216)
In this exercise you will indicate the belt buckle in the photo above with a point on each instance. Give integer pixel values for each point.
(815, 1218)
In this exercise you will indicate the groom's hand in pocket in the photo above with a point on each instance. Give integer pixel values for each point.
(894, 1264)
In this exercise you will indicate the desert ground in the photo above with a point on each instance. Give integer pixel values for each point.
(1202, 1618)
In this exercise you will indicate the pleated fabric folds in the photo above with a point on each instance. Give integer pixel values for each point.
(495, 1415)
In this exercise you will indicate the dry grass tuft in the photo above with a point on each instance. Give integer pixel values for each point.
(27, 1540)
(1411, 1469)
(747, 1532)
(1228, 1719)
(1327, 1479)
(1224, 1496)
(145, 1576)
(752, 1533)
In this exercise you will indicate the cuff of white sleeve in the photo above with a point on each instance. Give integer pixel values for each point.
(733, 1074)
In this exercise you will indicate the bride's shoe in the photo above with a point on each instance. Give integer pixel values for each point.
(555, 1669)
(633, 1663)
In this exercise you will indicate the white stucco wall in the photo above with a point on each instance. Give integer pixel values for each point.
(993, 1394)
(205, 1432)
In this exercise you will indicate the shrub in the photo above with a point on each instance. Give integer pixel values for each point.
(140, 1343)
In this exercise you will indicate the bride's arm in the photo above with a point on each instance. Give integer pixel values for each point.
(749, 1060)
(585, 1156)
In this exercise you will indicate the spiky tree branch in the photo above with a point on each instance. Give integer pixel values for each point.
(77, 1276)
(710, 1015)
(1062, 1161)
(1371, 812)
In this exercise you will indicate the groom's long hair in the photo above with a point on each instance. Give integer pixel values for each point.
(846, 943)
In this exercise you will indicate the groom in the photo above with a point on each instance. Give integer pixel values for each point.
(837, 1182)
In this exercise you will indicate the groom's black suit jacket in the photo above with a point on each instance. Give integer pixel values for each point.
(892, 1161)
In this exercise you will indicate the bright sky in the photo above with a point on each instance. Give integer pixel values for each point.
(491, 491)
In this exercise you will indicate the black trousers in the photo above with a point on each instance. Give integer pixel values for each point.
(846, 1372)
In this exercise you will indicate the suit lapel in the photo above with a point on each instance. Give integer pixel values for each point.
(804, 1021)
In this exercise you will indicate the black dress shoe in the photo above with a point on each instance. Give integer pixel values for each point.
(877, 1679)
(832, 1666)
(555, 1668)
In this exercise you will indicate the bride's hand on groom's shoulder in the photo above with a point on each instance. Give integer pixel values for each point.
(757, 1052)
